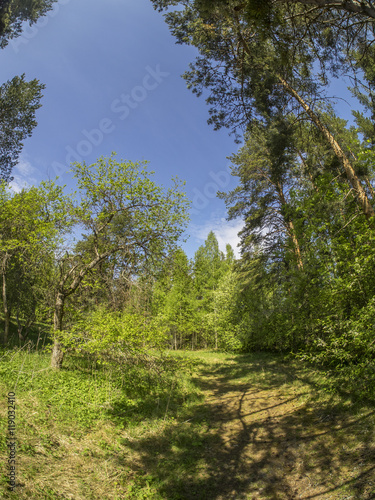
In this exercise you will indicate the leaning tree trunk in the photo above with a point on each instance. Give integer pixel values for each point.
(57, 351)
(362, 198)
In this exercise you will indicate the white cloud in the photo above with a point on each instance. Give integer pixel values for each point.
(225, 231)
(18, 183)
(24, 167)
(23, 175)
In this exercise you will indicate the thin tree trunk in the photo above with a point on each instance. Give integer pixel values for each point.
(296, 246)
(5, 301)
(57, 351)
(26, 326)
(6, 311)
(291, 229)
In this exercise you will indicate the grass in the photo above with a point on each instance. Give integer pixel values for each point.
(214, 426)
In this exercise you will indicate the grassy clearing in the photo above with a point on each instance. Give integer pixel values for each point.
(220, 427)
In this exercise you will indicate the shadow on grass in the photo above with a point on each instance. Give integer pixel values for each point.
(249, 440)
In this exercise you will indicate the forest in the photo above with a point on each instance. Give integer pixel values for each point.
(104, 318)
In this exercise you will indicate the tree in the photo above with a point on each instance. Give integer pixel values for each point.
(335, 10)
(121, 210)
(19, 101)
(173, 299)
(208, 268)
(14, 12)
(284, 309)
(223, 318)
(267, 167)
(31, 223)
(257, 59)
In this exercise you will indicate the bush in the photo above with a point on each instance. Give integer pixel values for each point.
(111, 335)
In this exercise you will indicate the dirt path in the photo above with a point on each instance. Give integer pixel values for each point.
(276, 443)
(263, 432)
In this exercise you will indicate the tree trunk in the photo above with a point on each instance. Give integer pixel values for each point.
(25, 328)
(362, 198)
(57, 351)
(5, 302)
(6, 311)
(291, 229)
(367, 12)
(297, 250)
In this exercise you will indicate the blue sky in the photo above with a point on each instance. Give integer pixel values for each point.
(112, 75)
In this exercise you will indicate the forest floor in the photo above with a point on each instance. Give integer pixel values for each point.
(255, 428)
(270, 433)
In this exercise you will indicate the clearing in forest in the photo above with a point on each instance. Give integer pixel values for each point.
(256, 428)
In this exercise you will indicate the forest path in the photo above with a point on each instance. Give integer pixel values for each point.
(264, 431)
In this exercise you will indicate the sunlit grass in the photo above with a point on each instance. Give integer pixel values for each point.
(94, 431)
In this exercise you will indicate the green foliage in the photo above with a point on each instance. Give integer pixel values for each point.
(111, 335)
(174, 299)
(347, 349)
(14, 12)
(122, 196)
(34, 218)
(222, 319)
(208, 268)
(19, 101)
(77, 398)
(32, 224)
(126, 218)
(194, 299)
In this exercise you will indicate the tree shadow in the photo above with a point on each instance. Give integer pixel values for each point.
(250, 439)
